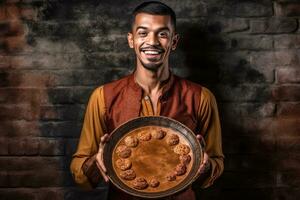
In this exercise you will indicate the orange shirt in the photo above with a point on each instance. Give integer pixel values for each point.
(94, 127)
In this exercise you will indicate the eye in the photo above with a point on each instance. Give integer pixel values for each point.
(142, 33)
(163, 34)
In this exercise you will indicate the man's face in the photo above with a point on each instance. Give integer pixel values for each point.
(152, 37)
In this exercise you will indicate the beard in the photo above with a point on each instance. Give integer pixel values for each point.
(152, 66)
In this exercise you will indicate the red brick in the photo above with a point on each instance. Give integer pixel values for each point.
(3, 145)
(50, 147)
(12, 11)
(252, 42)
(19, 112)
(286, 93)
(16, 28)
(288, 75)
(60, 129)
(287, 9)
(15, 43)
(23, 146)
(5, 62)
(247, 126)
(66, 112)
(288, 144)
(288, 179)
(37, 178)
(21, 163)
(274, 25)
(257, 110)
(29, 13)
(287, 161)
(31, 193)
(270, 60)
(257, 93)
(227, 25)
(19, 128)
(23, 95)
(286, 127)
(287, 42)
(288, 109)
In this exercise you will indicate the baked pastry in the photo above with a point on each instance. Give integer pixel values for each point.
(123, 164)
(173, 139)
(123, 151)
(171, 176)
(185, 159)
(158, 134)
(140, 183)
(131, 141)
(154, 182)
(182, 149)
(180, 169)
(144, 136)
(128, 174)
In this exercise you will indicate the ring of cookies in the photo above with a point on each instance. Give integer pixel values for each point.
(127, 146)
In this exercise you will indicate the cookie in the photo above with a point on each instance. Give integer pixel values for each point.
(128, 174)
(159, 134)
(123, 164)
(173, 139)
(131, 141)
(140, 183)
(180, 169)
(144, 136)
(171, 176)
(153, 182)
(182, 149)
(123, 151)
(185, 159)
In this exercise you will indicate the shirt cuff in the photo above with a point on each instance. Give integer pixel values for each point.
(91, 171)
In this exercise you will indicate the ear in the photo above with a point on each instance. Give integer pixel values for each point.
(175, 41)
(130, 39)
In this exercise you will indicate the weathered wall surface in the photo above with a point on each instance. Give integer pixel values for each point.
(54, 53)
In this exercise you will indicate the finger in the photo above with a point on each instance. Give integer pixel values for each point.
(201, 140)
(104, 138)
(100, 161)
(103, 174)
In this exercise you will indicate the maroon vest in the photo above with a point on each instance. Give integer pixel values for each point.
(180, 100)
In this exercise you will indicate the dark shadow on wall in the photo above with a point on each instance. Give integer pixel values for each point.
(247, 154)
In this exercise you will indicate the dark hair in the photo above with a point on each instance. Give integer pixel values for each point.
(154, 8)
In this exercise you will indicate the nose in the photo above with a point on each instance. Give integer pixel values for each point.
(152, 39)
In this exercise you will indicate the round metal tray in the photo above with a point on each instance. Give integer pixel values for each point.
(165, 122)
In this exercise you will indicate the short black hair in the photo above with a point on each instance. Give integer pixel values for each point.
(154, 8)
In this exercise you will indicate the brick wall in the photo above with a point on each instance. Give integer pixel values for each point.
(54, 53)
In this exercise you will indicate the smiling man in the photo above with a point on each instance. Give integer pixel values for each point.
(152, 89)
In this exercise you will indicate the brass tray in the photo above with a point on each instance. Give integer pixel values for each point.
(154, 157)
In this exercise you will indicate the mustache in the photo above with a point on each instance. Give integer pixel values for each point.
(152, 48)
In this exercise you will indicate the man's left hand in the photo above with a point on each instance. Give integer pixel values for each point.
(205, 165)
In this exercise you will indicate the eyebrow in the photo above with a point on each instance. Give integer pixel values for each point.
(160, 29)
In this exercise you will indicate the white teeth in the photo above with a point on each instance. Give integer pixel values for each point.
(151, 52)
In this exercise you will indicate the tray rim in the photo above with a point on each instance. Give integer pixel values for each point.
(160, 194)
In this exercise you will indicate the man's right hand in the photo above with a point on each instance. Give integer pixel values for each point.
(99, 157)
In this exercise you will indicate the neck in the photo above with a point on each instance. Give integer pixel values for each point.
(151, 81)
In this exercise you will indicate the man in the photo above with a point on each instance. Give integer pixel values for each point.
(151, 90)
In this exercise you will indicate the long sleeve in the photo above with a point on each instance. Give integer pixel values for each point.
(83, 161)
(211, 130)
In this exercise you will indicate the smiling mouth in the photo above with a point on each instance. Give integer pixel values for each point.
(152, 51)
